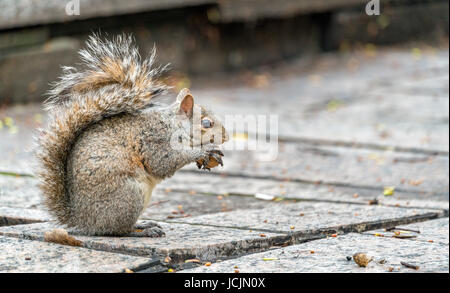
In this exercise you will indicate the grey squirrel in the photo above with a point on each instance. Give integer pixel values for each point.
(108, 143)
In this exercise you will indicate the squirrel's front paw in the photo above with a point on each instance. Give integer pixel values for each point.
(212, 158)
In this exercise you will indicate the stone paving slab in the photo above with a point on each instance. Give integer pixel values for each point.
(363, 114)
(330, 256)
(345, 166)
(20, 192)
(303, 217)
(436, 86)
(182, 241)
(16, 138)
(351, 117)
(16, 216)
(218, 183)
(435, 231)
(25, 256)
(179, 205)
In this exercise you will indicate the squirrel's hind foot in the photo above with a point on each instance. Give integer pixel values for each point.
(146, 224)
(147, 229)
(152, 232)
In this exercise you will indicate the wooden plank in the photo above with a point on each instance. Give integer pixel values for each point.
(240, 10)
(20, 13)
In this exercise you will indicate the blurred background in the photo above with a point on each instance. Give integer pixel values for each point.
(334, 75)
(203, 37)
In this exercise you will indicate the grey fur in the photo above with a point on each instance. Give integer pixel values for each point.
(105, 148)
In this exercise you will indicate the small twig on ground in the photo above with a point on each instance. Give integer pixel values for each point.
(403, 229)
(404, 236)
(158, 202)
(410, 266)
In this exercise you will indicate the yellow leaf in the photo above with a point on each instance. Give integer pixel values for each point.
(8, 121)
(389, 190)
(269, 258)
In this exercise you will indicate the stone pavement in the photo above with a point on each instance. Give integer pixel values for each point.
(350, 126)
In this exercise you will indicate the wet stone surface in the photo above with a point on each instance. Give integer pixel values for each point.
(330, 255)
(15, 216)
(181, 241)
(353, 167)
(21, 192)
(308, 216)
(25, 256)
(434, 231)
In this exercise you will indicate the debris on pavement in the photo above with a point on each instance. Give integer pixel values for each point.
(362, 259)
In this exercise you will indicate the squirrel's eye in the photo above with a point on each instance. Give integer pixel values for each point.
(206, 123)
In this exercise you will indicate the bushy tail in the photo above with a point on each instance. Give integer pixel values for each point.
(114, 81)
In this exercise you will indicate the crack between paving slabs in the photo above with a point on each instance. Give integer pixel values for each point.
(317, 142)
(349, 228)
(305, 199)
(299, 180)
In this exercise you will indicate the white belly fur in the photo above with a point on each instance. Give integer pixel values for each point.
(147, 184)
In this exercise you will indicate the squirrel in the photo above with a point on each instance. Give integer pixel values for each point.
(109, 142)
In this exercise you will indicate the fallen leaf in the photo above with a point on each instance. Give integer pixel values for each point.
(389, 190)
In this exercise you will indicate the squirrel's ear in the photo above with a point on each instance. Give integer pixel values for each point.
(186, 102)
